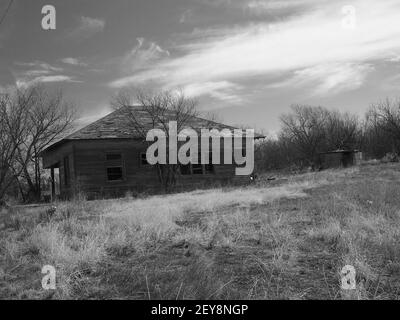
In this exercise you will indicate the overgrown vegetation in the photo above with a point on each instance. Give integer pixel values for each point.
(285, 239)
(33, 118)
(30, 120)
(307, 131)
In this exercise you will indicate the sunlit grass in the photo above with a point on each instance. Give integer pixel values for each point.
(243, 242)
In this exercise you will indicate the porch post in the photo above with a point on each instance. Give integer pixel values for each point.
(53, 187)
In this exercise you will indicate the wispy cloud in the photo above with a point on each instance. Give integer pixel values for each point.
(221, 90)
(312, 46)
(327, 79)
(25, 82)
(265, 6)
(74, 62)
(39, 66)
(186, 16)
(143, 55)
(87, 28)
(28, 73)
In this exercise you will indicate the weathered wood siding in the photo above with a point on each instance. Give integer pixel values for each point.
(90, 160)
(88, 168)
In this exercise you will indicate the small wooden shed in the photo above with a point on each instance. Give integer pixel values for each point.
(339, 158)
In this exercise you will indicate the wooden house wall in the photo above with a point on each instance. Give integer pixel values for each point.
(90, 160)
(88, 168)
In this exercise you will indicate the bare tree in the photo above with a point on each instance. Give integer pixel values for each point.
(13, 131)
(304, 129)
(48, 117)
(30, 120)
(342, 131)
(384, 117)
(160, 108)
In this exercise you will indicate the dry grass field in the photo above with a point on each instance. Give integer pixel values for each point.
(286, 239)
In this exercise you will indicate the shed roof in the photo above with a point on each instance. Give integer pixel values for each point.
(340, 151)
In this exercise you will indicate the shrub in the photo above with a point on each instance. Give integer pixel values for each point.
(390, 157)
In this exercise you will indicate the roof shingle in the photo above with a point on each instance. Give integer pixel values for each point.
(117, 125)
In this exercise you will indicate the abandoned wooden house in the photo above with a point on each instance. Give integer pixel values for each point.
(339, 158)
(108, 158)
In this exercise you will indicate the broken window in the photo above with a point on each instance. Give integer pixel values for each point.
(197, 168)
(114, 166)
(143, 159)
(114, 174)
(185, 169)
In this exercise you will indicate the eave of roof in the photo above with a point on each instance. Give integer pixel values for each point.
(116, 125)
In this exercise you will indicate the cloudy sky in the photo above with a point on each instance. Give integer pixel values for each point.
(247, 59)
